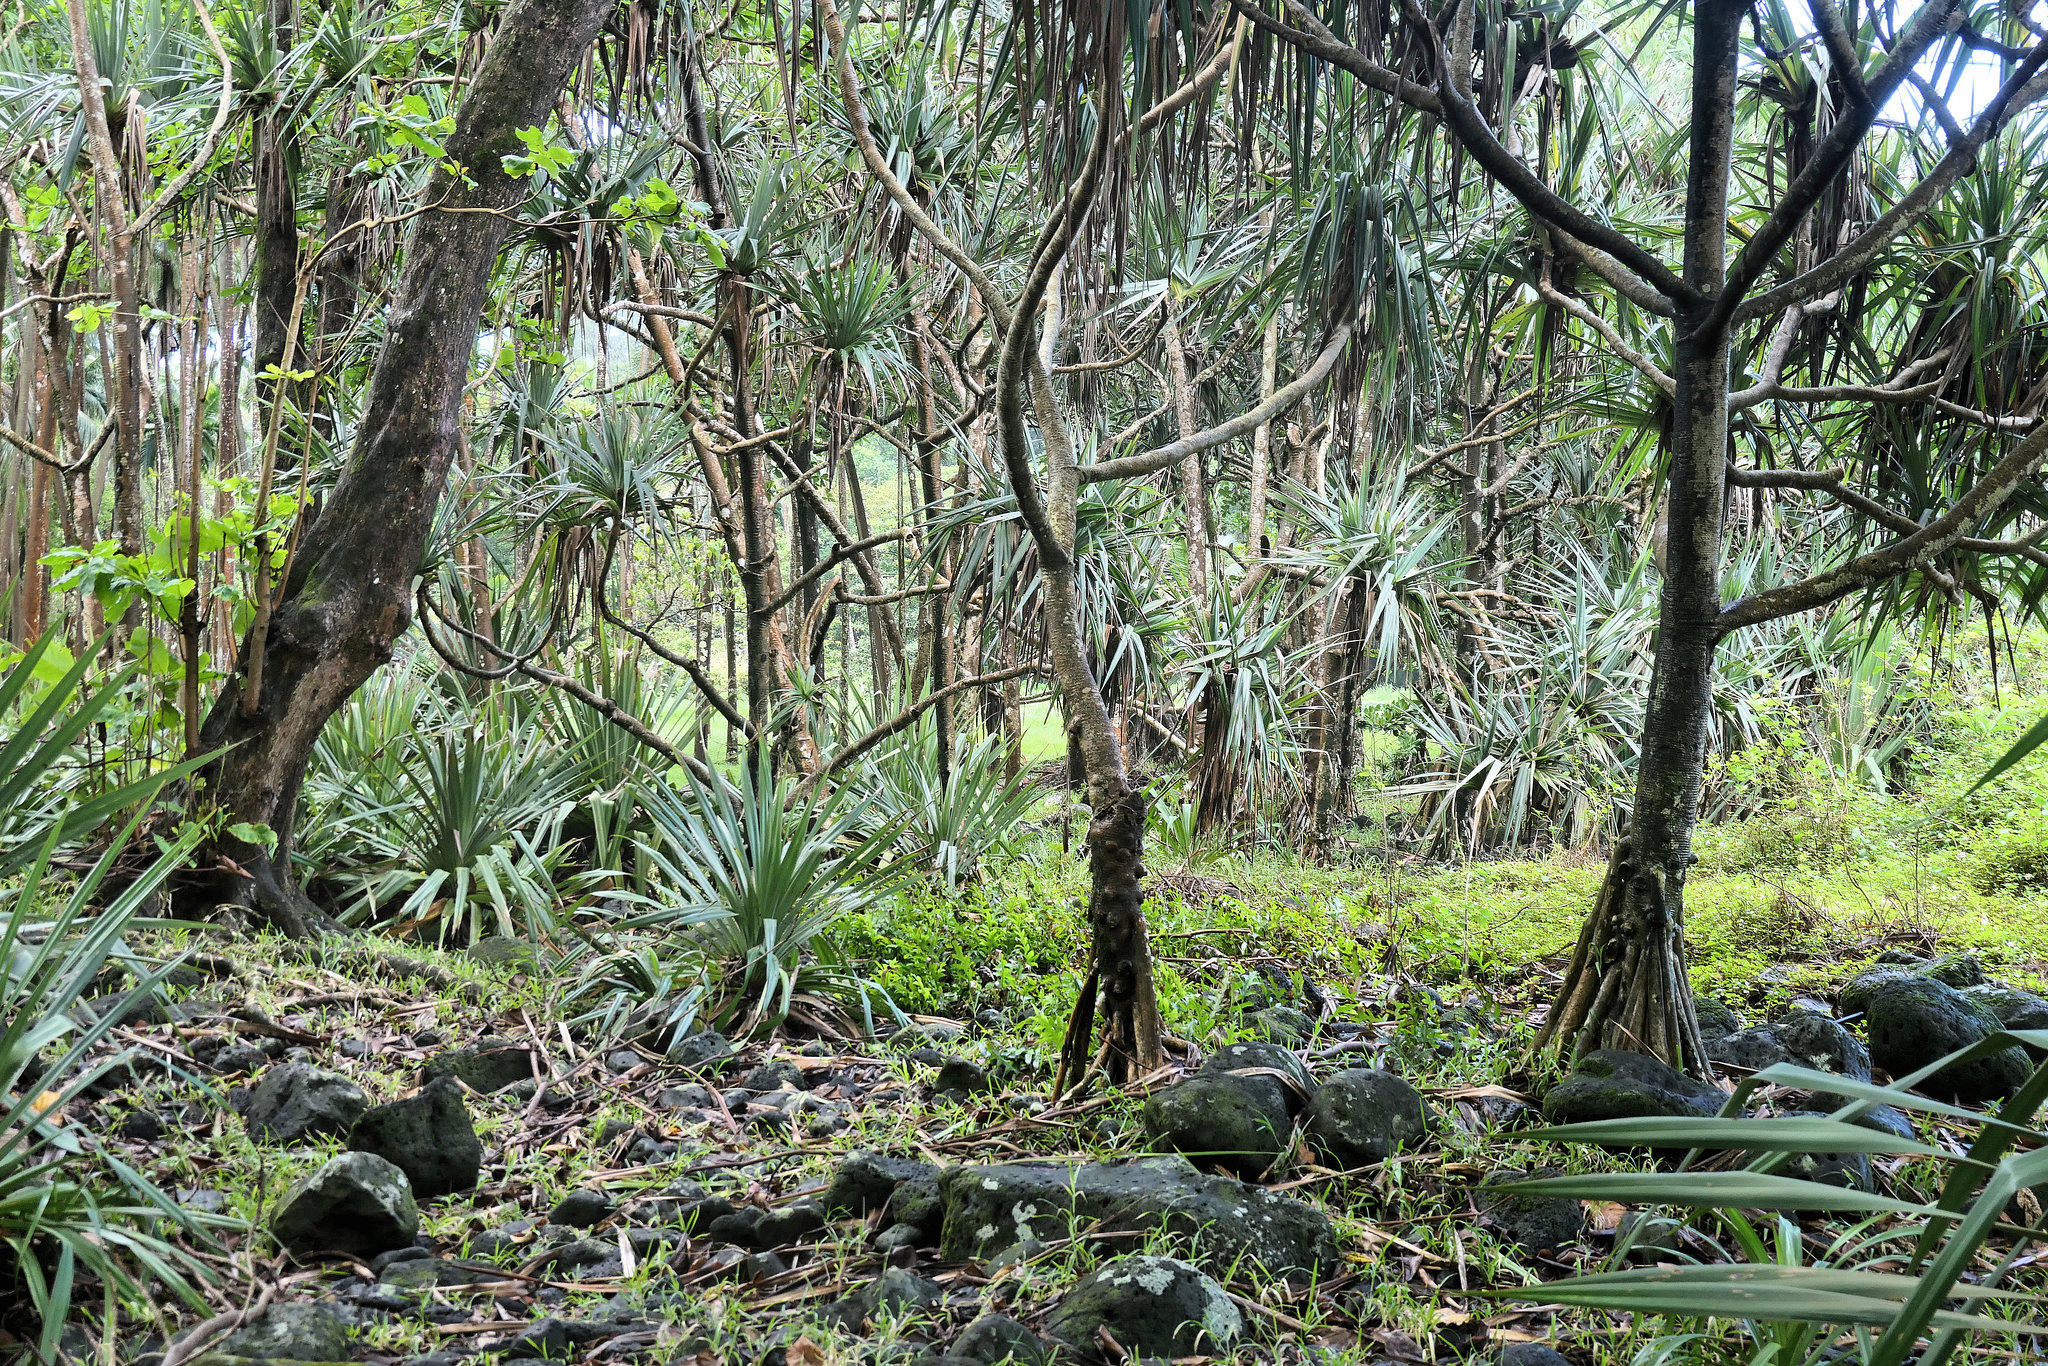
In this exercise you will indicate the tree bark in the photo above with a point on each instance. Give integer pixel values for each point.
(1121, 956)
(1187, 413)
(276, 232)
(348, 592)
(110, 198)
(1627, 986)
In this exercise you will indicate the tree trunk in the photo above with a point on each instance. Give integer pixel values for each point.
(1187, 414)
(276, 232)
(348, 592)
(1627, 985)
(1262, 443)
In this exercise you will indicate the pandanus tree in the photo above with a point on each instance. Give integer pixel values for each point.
(1089, 54)
(1768, 304)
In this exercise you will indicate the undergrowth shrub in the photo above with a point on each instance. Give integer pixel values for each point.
(1804, 816)
(2011, 856)
(947, 955)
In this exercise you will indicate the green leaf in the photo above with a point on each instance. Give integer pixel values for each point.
(1786, 1135)
(87, 317)
(1835, 1280)
(1716, 1190)
(253, 832)
(1735, 1299)
(2036, 736)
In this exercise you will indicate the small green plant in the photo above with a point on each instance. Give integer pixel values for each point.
(763, 877)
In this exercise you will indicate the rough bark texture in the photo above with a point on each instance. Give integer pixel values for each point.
(348, 595)
(1627, 986)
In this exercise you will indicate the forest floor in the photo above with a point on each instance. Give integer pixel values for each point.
(1430, 973)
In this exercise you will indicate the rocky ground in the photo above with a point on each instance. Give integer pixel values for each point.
(413, 1163)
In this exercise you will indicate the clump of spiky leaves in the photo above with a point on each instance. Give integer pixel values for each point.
(761, 875)
(438, 822)
(951, 821)
(1941, 1278)
(69, 1209)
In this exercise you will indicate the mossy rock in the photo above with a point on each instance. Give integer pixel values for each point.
(1918, 1021)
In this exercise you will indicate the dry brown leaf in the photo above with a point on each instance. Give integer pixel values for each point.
(1399, 1345)
(1604, 1216)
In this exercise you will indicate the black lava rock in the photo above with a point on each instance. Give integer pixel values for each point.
(581, 1209)
(298, 1101)
(1217, 1122)
(1272, 1075)
(545, 1340)
(1152, 1306)
(1363, 1115)
(356, 1203)
(1918, 1021)
(428, 1136)
(865, 1181)
(490, 1064)
(701, 1051)
(1535, 1224)
(294, 1331)
(1613, 1084)
(998, 1337)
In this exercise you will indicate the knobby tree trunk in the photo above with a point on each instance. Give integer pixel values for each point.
(1627, 987)
(348, 594)
(1121, 957)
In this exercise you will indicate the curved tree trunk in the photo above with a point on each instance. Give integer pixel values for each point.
(348, 593)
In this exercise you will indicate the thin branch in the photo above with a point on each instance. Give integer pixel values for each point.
(840, 554)
(168, 196)
(1171, 454)
(1144, 344)
(1834, 484)
(524, 666)
(903, 719)
(2022, 88)
(663, 311)
(1841, 50)
(1518, 180)
(1943, 533)
(1315, 38)
(1828, 160)
(883, 599)
(1664, 383)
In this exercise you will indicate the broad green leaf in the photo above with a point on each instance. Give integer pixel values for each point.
(1716, 1190)
(1789, 1134)
(2036, 735)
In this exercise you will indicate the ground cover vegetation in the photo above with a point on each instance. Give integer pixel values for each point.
(1324, 681)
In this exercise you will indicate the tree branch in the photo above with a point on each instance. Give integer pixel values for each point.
(840, 554)
(1943, 533)
(168, 196)
(1171, 454)
(1518, 180)
(1828, 159)
(903, 719)
(2025, 86)
(1664, 383)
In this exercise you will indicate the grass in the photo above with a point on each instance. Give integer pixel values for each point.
(1014, 945)
(1789, 902)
